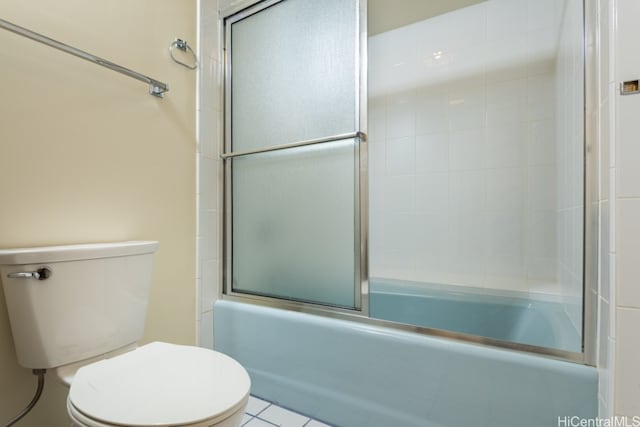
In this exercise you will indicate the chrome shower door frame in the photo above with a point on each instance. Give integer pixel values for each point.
(233, 14)
(361, 314)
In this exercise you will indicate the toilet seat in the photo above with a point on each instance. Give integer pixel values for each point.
(159, 384)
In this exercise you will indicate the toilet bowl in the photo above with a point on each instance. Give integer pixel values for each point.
(160, 384)
(79, 311)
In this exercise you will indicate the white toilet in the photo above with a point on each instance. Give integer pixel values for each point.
(79, 310)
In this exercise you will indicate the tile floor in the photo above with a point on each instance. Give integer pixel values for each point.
(260, 413)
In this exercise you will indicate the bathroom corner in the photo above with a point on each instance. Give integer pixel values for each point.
(209, 166)
(87, 156)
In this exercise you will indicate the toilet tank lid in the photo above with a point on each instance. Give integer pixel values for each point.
(161, 384)
(37, 255)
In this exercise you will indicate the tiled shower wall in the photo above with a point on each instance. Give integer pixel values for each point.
(209, 163)
(621, 311)
(603, 115)
(463, 160)
(209, 170)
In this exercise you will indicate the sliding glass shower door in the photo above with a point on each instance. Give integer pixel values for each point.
(292, 152)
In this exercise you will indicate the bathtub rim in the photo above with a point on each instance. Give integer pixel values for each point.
(550, 307)
(361, 318)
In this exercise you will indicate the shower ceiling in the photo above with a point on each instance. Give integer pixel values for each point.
(385, 15)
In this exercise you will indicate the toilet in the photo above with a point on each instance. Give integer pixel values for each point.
(79, 311)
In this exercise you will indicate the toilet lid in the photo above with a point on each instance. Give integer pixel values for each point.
(161, 384)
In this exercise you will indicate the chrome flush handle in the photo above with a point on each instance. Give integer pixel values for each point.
(40, 274)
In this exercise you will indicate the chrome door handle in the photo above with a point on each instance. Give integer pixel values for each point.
(40, 274)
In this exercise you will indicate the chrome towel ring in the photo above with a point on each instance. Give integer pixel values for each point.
(183, 46)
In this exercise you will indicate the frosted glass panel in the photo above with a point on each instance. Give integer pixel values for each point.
(294, 75)
(293, 223)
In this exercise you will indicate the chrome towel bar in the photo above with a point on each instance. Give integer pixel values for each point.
(156, 88)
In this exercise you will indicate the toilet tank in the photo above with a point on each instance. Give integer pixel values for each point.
(94, 300)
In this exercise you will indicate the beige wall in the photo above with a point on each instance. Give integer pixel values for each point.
(86, 155)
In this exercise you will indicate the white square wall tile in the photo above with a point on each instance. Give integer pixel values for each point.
(505, 145)
(207, 226)
(604, 317)
(432, 235)
(628, 65)
(627, 370)
(605, 262)
(467, 239)
(466, 148)
(208, 284)
(399, 232)
(541, 142)
(612, 217)
(466, 109)
(467, 26)
(208, 133)
(209, 34)
(198, 284)
(394, 194)
(377, 119)
(466, 192)
(208, 233)
(628, 149)
(431, 110)
(613, 92)
(432, 193)
(504, 235)
(206, 250)
(605, 383)
(538, 15)
(432, 152)
(542, 187)
(507, 58)
(505, 18)
(540, 97)
(507, 93)
(205, 338)
(208, 169)
(628, 252)
(209, 90)
(401, 154)
(505, 190)
(400, 116)
(208, 9)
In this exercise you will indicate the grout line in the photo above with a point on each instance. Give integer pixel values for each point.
(267, 421)
(309, 419)
(265, 408)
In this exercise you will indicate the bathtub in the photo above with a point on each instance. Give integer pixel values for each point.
(353, 374)
(502, 315)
